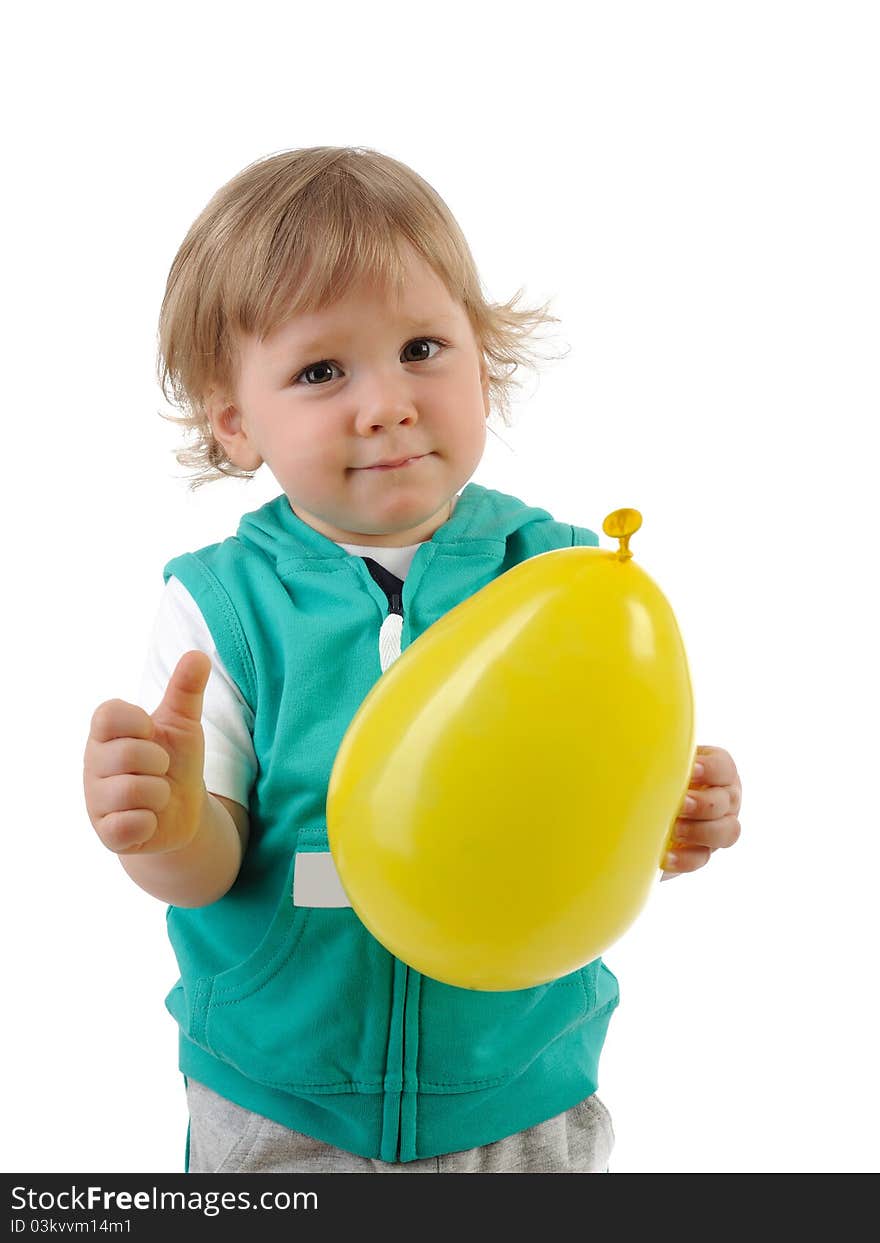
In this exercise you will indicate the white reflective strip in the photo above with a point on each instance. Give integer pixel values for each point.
(316, 881)
(389, 640)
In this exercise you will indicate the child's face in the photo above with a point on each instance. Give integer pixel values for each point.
(331, 395)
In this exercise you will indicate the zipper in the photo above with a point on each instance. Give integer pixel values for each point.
(389, 650)
(400, 1099)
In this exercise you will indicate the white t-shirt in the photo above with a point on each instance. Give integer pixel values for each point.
(228, 722)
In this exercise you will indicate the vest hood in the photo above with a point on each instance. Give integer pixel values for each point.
(481, 515)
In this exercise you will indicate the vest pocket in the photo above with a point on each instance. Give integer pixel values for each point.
(301, 1012)
(494, 1036)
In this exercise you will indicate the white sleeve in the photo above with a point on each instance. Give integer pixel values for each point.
(228, 722)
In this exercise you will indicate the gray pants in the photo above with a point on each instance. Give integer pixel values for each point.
(226, 1139)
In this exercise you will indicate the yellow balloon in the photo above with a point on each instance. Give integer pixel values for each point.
(501, 802)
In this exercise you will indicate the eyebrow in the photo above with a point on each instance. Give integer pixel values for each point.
(418, 324)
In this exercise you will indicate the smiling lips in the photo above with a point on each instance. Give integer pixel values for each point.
(404, 461)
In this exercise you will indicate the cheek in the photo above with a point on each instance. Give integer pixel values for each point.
(307, 445)
(475, 435)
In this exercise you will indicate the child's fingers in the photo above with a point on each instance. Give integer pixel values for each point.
(118, 719)
(707, 804)
(680, 858)
(719, 770)
(126, 831)
(130, 792)
(185, 692)
(715, 834)
(127, 755)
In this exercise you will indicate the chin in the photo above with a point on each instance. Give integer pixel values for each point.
(398, 518)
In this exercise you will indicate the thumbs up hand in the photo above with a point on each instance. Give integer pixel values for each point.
(143, 774)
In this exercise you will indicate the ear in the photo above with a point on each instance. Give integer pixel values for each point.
(230, 431)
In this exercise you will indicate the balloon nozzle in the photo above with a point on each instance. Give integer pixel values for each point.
(621, 525)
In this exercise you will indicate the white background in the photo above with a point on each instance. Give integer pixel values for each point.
(696, 187)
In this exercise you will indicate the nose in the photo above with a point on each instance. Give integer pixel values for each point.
(385, 404)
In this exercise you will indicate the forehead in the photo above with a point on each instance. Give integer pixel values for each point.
(421, 304)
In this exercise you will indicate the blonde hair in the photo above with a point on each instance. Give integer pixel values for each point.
(291, 233)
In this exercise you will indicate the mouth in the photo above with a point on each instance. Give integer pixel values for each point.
(397, 464)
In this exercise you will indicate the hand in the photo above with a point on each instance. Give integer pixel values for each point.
(712, 821)
(143, 775)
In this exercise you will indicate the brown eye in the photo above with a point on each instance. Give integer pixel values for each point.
(422, 343)
(322, 366)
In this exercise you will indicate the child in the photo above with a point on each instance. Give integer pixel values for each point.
(324, 316)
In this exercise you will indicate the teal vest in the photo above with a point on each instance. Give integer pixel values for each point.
(295, 1011)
